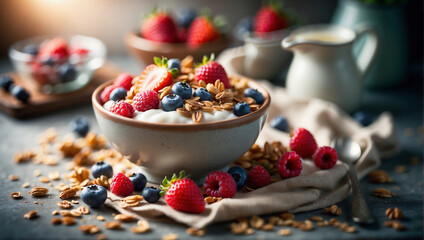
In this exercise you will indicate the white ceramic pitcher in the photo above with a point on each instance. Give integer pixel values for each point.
(324, 66)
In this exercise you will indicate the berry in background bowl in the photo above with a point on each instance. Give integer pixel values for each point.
(189, 33)
(182, 133)
(57, 64)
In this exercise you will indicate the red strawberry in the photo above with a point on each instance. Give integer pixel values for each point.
(105, 95)
(121, 185)
(182, 35)
(303, 143)
(269, 18)
(146, 100)
(210, 71)
(123, 108)
(182, 194)
(200, 31)
(159, 27)
(258, 177)
(56, 47)
(154, 77)
(123, 80)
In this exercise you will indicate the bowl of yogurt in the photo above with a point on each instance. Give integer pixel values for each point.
(199, 137)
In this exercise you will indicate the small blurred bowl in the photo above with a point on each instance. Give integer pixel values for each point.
(145, 50)
(163, 149)
(46, 78)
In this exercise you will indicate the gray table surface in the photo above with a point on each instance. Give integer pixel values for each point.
(405, 103)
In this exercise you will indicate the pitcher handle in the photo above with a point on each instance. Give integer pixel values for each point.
(369, 50)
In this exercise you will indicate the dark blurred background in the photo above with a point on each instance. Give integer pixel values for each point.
(109, 20)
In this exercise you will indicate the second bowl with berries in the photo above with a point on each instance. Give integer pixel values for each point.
(175, 116)
(56, 65)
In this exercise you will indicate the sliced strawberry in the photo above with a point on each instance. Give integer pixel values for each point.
(153, 78)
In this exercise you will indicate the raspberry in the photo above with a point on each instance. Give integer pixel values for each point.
(258, 177)
(289, 165)
(105, 95)
(123, 80)
(303, 143)
(146, 100)
(121, 185)
(220, 184)
(325, 157)
(123, 108)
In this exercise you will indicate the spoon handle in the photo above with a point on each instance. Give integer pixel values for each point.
(360, 210)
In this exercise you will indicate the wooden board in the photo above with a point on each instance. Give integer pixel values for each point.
(46, 103)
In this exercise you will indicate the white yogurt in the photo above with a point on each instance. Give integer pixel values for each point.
(173, 117)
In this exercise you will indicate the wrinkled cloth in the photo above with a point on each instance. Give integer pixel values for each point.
(314, 188)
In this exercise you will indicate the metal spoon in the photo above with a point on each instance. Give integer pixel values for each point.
(349, 152)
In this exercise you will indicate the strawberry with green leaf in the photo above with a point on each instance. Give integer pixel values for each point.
(159, 27)
(209, 71)
(204, 29)
(155, 76)
(270, 18)
(182, 194)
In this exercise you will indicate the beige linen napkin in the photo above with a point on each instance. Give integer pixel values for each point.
(314, 188)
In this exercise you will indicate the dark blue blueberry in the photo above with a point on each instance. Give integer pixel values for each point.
(363, 118)
(31, 49)
(241, 109)
(239, 175)
(80, 126)
(67, 73)
(5, 82)
(182, 89)
(94, 195)
(255, 94)
(203, 94)
(171, 102)
(49, 61)
(101, 168)
(118, 94)
(279, 123)
(139, 181)
(20, 93)
(174, 63)
(186, 16)
(151, 194)
(243, 28)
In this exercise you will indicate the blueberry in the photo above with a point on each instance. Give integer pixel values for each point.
(239, 175)
(255, 94)
(182, 89)
(139, 181)
(174, 63)
(94, 195)
(20, 93)
(186, 17)
(80, 125)
(5, 82)
(279, 123)
(241, 108)
(171, 102)
(49, 61)
(243, 28)
(31, 49)
(118, 94)
(67, 73)
(363, 118)
(151, 194)
(203, 94)
(101, 168)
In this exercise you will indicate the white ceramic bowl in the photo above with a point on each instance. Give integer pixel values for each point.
(164, 149)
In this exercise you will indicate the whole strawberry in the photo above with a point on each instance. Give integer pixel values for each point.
(121, 185)
(289, 165)
(270, 18)
(209, 71)
(182, 194)
(303, 143)
(258, 177)
(155, 76)
(201, 30)
(159, 27)
(123, 80)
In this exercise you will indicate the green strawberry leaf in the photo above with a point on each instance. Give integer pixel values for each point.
(157, 61)
(174, 72)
